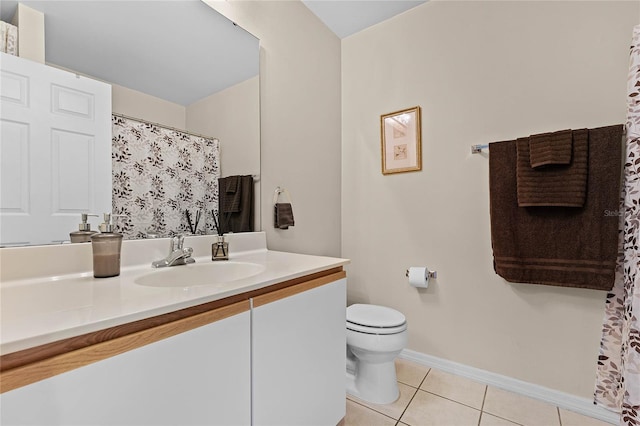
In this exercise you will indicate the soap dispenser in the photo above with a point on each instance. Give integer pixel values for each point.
(106, 246)
(84, 232)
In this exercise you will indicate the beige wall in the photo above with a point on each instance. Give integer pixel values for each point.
(146, 107)
(300, 120)
(233, 116)
(482, 72)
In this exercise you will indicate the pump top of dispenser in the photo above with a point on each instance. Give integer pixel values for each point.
(85, 226)
(108, 226)
(84, 232)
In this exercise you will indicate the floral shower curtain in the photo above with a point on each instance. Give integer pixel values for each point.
(158, 175)
(618, 377)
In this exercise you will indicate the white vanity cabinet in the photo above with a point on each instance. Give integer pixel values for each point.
(273, 356)
(197, 377)
(298, 348)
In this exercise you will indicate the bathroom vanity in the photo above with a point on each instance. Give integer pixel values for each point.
(264, 343)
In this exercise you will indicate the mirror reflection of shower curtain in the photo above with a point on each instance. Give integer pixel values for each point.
(618, 375)
(158, 174)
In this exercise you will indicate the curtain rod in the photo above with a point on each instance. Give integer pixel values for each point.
(139, 120)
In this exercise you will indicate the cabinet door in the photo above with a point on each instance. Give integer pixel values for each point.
(200, 377)
(298, 345)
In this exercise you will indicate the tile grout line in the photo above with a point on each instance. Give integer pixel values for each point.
(371, 409)
(484, 397)
(444, 397)
(449, 399)
(559, 418)
(484, 400)
(413, 396)
(503, 418)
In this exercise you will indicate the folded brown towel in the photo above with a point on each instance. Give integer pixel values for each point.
(553, 185)
(571, 247)
(283, 216)
(230, 194)
(550, 148)
(232, 184)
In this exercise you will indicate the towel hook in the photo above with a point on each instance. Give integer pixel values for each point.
(279, 191)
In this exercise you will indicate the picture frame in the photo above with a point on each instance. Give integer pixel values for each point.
(401, 144)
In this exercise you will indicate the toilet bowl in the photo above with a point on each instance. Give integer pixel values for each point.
(375, 337)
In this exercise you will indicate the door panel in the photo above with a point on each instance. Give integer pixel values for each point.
(61, 122)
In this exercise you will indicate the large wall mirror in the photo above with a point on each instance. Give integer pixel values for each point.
(177, 63)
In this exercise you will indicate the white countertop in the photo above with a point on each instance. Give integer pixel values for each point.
(40, 310)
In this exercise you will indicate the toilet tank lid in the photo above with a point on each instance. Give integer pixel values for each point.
(374, 316)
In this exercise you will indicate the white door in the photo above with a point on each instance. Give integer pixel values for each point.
(55, 151)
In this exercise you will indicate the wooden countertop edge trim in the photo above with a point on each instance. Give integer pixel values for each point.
(34, 372)
(17, 363)
(272, 296)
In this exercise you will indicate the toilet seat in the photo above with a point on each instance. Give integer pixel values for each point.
(376, 330)
(375, 319)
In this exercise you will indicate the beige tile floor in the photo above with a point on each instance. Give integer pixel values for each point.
(431, 397)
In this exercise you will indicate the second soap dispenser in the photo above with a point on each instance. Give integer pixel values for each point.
(84, 232)
(106, 247)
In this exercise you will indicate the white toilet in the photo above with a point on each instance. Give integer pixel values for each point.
(375, 337)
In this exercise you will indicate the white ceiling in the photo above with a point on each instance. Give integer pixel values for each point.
(346, 17)
(178, 50)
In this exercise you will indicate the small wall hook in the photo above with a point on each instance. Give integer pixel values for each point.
(279, 191)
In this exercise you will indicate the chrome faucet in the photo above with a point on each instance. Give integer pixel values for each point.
(178, 255)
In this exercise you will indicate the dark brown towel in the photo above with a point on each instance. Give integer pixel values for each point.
(235, 203)
(553, 185)
(550, 148)
(570, 247)
(283, 216)
(232, 198)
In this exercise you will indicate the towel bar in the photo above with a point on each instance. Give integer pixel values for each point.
(476, 149)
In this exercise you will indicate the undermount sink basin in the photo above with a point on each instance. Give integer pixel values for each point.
(197, 274)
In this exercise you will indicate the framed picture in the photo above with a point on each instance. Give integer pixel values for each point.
(401, 144)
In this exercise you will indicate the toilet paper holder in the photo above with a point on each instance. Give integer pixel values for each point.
(430, 274)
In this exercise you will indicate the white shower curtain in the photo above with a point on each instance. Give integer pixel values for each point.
(618, 376)
(158, 174)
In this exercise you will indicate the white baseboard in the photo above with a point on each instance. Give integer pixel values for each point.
(563, 400)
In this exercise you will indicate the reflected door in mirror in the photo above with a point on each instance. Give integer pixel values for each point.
(55, 151)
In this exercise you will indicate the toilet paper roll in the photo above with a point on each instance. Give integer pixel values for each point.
(419, 276)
